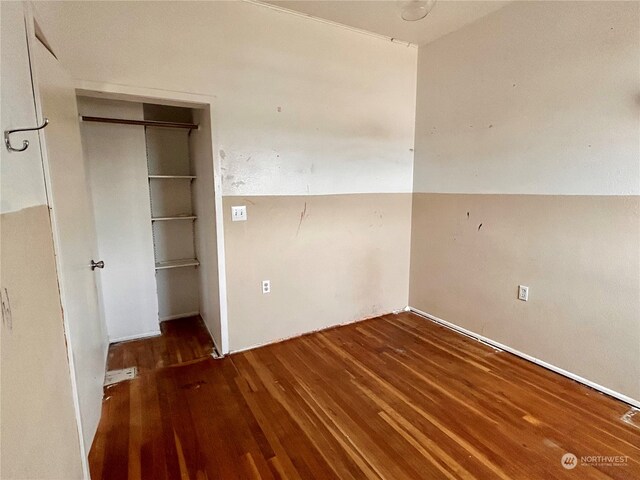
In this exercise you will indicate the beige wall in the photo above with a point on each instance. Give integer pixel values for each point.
(39, 433)
(529, 120)
(331, 259)
(578, 254)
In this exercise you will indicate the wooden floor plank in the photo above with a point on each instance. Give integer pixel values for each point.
(395, 397)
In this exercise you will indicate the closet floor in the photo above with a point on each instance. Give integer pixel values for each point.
(395, 397)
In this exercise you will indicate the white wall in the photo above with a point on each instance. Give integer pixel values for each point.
(204, 208)
(522, 102)
(21, 176)
(117, 168)
(302, 107)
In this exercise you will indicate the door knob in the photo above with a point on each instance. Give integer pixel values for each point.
(95, 265)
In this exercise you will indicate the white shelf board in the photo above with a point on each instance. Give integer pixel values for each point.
(166, 177)
(184, 262)
(176, 217)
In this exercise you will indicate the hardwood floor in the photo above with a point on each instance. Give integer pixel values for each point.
(395, 397)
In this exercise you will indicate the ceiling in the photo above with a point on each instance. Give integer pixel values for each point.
(383, 17)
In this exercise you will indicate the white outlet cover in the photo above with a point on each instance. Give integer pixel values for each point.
(266, 286)
(523, 293)
(239, 213)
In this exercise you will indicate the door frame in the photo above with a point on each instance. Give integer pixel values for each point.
(131, 93)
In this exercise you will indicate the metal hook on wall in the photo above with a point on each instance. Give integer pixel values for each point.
(25, 143)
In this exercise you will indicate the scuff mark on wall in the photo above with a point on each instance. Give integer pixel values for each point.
(479, 227)
(7, 319)
(223, 155)
(237, 184)
(303, 214)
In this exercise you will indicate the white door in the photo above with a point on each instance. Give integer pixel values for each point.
(116, 160)
(74, 232)
(39, 435)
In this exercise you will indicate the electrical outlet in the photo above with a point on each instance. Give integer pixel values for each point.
(523, 293)
(239, 213)
(266, 286)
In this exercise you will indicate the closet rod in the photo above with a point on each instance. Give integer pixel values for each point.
(147, 123)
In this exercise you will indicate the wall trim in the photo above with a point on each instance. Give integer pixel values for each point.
(537, 361)
(139, 336)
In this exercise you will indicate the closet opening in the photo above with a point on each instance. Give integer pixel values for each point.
(152, 183)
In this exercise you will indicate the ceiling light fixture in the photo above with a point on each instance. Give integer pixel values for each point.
(414, 10)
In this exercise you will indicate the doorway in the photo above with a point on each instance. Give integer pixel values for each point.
(154, 191)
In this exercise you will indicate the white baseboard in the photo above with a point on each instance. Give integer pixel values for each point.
(153, 333)
(180, 315)
(537, 361)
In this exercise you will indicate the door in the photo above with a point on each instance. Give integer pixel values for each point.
(74, 232)
(116, 160)
(39, 435)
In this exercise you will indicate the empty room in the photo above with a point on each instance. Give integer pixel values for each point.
(315, 239)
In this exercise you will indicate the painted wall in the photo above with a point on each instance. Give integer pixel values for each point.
(302, 108)
(206, 232)
(342, 257)
(527, 171)
(39, 434)
(117, 169)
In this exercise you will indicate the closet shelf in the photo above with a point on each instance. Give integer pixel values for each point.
(175, 217)
(163, 177)
(185, 262)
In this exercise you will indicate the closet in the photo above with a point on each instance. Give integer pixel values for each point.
(151, 182)
(173, 221)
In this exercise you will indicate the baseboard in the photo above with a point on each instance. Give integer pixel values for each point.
(154, 333)
(537, 361)
(180, 315)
